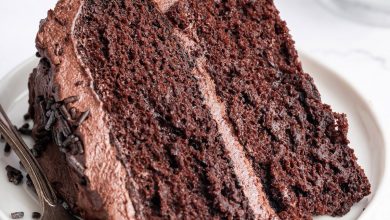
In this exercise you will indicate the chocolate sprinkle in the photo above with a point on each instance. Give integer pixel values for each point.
(68, 141)
(14, 175)
(82, 118)
(73, 112)
(80, 147)
(77, 166)
(50, 122)
(17, 215)
(71, 99)
(36, 215)
(65, 113)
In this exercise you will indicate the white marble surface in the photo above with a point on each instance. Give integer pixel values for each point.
(359, 53)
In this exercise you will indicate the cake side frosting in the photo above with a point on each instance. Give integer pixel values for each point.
(99, 176)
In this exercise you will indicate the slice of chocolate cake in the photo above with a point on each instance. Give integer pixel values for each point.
(185, 109)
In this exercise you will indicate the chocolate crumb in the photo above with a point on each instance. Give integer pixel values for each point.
(36, 215)
(27, 116)
(37, 54)
(71, 99)
(7, 148)
(17, 215)
(14, 175)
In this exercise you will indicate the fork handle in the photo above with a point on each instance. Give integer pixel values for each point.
(39, 179)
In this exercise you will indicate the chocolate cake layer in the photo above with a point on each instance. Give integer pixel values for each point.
(165, 135)
(185, 109)
(297, 145)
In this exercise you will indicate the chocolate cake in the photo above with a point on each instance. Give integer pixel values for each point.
(190, 109)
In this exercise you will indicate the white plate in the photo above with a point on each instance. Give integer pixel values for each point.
(365, 134)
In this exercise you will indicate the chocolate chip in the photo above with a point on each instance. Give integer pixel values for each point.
(71, 99)
(17, 215)
(7, 148)
(36, 215)
(14, 175)
(37, 54)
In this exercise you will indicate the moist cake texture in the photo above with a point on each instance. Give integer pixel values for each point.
(185, 109)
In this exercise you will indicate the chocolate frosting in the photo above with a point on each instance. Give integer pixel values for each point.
(105, 194)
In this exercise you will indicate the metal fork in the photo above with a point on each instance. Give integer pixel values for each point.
(47, 197)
